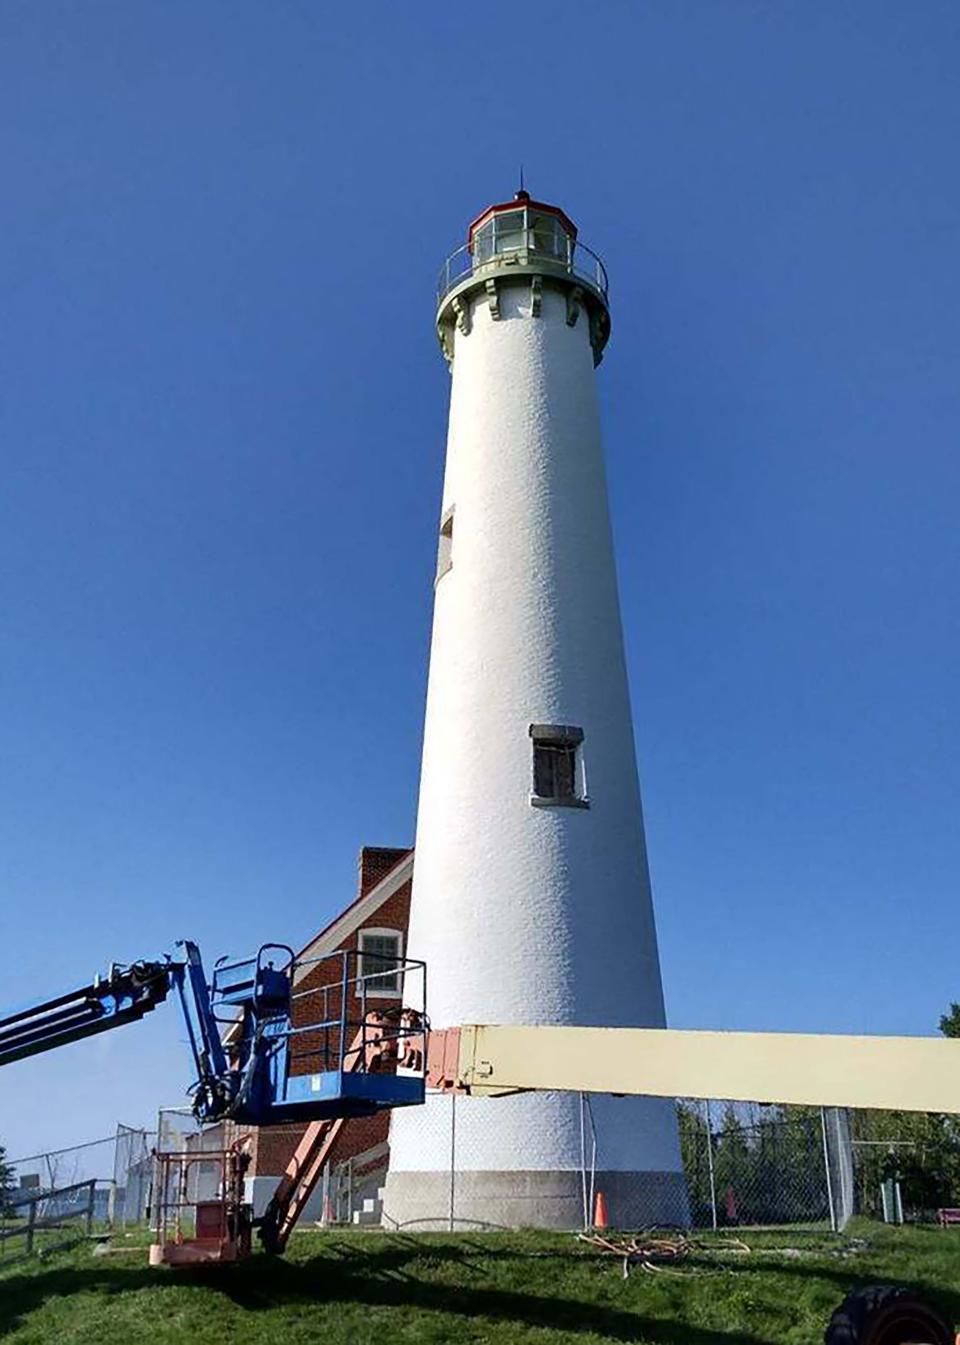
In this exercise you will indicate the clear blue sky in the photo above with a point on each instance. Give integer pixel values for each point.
(222, 420)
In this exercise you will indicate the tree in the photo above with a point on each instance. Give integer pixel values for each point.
(924, 1150)
(694, 1144)
(733, 1166)
(7, 1183)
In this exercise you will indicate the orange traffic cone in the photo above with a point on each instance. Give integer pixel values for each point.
(600, 1217)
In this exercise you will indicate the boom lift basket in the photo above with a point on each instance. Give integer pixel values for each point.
(200, 1216)
(313, 1039)
(318, 1038)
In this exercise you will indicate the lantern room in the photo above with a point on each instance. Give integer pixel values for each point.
(522, 227)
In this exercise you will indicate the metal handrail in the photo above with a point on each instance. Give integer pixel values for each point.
(344, 1005)
(580, 261)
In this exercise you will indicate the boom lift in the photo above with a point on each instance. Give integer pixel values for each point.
(274, 1039)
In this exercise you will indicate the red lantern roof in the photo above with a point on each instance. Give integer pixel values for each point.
(522, 198)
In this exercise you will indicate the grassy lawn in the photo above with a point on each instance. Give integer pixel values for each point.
(494, 1288)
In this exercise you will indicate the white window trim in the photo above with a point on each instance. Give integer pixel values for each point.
(377, 931)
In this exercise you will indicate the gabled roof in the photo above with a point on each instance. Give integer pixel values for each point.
(356, 914)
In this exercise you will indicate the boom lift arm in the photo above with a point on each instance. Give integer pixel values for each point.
(123, 995)
(886, 1073)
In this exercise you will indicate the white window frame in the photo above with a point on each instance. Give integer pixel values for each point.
(383, 933)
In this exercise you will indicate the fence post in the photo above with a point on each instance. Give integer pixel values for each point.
(826, 1168)
(453, 1155)
(31, 1221)
(325, 1197)
(91, 1189)
(587, 1188)
(713, 1180)
(583, 1168)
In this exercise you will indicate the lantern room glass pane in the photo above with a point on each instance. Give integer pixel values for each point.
(511, 234)
(548, 236)
(483, 244)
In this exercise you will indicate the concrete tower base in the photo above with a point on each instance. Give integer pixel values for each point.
(421, 1201)
(523, 1161)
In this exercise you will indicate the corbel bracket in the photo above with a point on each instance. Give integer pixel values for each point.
(493, 298)
(574, 302)
(597, 336)
(461, 308)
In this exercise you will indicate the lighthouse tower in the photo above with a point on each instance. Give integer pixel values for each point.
(531, 897)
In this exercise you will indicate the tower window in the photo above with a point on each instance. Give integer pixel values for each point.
(445, 546)
(558, 774)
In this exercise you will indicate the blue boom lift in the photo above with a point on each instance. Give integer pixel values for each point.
(274, 1039)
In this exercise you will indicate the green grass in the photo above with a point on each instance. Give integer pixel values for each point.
(469, 1289)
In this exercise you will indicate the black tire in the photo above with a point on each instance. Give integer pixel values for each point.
(885, 1314)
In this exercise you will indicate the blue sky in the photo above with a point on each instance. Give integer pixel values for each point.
(222, 420)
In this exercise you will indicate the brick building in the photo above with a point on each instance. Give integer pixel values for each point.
(375, 922)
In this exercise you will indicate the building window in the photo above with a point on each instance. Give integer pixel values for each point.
(558, 770)
(379, 962)
(445, 547)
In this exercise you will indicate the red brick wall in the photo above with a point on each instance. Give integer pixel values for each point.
(273, 1146)
(318, 993)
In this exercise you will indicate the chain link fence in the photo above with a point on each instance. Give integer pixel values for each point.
(351, 1191)
(199, 1176)
(766, 1166)
(120, 1166)
(744, 1165)
(132, 1175)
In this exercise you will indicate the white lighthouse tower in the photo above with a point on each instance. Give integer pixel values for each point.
(531, 896)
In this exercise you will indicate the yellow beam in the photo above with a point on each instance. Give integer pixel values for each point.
(896, 1073)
